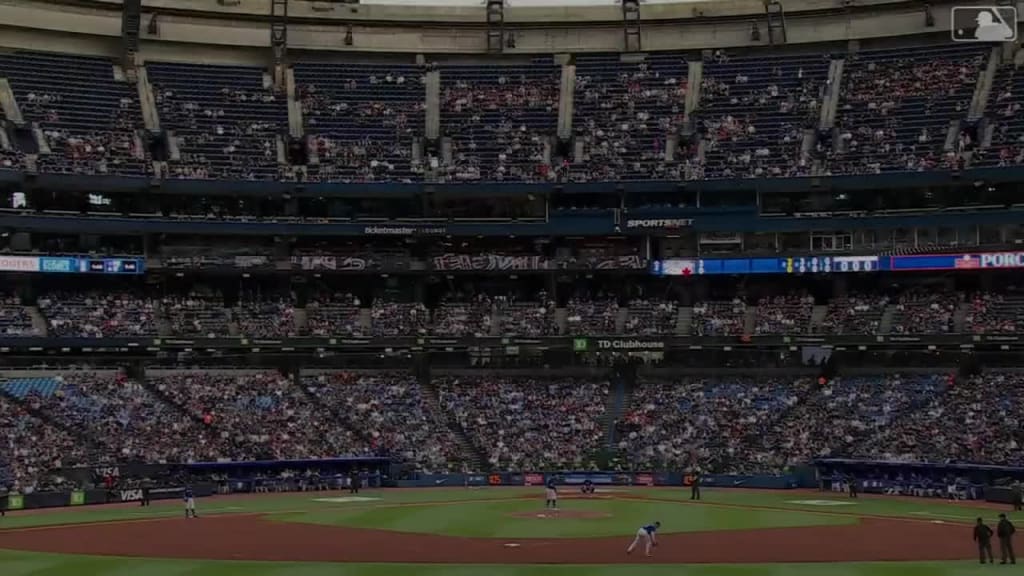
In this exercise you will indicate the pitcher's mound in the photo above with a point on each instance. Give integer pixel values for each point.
(549, 514)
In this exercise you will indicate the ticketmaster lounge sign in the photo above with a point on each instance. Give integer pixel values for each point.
(616, 345)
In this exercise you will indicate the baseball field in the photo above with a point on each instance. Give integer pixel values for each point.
(507, 531)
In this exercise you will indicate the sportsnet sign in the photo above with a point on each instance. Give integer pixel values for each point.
(658, 223)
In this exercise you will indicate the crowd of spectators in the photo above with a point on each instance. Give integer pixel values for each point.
(994, 313)
(362, 120)
(126, 419)
(473, 318)
(840, 417)
(398, 318)
(649, 317)
(523, 318)
(334, 314)
(597, 316)
(31, 449)
(624, 113)
(526, 423)
(896, 105)
(266, 318)
(1005, 105)
(854, 314)
(225, 121)
(365, 120)
(972, 420)
(392, 409)
(257, 414)
(724, 424)
(719, 318)
(14, 319)
(196, 315)
(784, 315)
(678, 423)
(98, 315)
(754, 113)
(87, 118)
(500, 120)
(11, 159)
(922, 311)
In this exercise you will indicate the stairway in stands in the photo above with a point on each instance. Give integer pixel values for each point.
(476, 459)
(620, 397)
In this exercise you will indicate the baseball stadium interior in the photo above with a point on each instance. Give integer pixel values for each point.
(732, 238)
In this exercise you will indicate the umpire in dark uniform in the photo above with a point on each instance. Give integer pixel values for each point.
(983, 538)
(695, 485)
(851, 481)
(354, 480)
(1018, 497)
(1005, 530)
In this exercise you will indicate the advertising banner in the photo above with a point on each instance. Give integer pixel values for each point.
(336, 263)
(77, 498)
(643, 480)
(15, 501)
(490, 262)
(133, 495)
(19, 264)
(533, 480)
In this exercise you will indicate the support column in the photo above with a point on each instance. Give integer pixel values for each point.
(495, 26)
(279, 41)
(631, 26)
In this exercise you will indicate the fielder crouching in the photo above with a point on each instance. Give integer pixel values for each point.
(645, 534)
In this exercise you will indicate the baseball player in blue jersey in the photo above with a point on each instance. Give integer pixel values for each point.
(551, 493)
(190, 503)
(646, 535)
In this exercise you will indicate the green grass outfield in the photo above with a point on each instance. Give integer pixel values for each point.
(465, 512)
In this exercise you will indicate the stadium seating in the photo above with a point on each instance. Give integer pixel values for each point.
(336, 314)
(925, 312)
(674, 423)
(854, 315)
(362, 119)
(972, 420)
(31, 386)
(992, 313)
(526, 424)
(719, 318)
(463, 319)
(98, 315)
(196, 315)
(261, 414)
(896, 105)
(14, 320)
(500, 119)
(520, 318)
(598, 316)
(783, 315)
(30, 449)
(624, 112)
(88, 118)
(651, 317)
(1005, 103)
(754, 110)
(392, 409)
(225, 118)
(399, 318)
(267, 318)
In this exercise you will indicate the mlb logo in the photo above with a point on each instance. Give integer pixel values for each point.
(984, 24)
